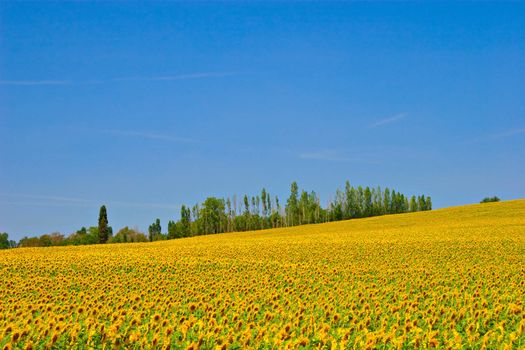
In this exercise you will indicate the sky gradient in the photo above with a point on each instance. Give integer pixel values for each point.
(144, 107)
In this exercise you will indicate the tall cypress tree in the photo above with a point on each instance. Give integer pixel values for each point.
(103, 228)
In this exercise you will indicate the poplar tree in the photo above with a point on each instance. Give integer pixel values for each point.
(264, 203)
(387, 201)
(367, 197)
(421, 202)
(428, 203)
(154, 230)
(347, 212)
(413, 204)
(246, 213)
(172, 230)
(229, 215)
(185, 220)
(292, 208)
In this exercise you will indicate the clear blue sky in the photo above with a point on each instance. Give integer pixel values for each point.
(144, 107)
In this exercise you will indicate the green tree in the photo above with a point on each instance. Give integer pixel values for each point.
(276, 218)
(155, 231)
(490, 199)
(229, 214)
(413, 204)
(367, 197)
(128, 235)
(264, 203)
(304, 208)
(172, 230)
(377, 206)
(337, 206)
(292, 206)
(83, 236)
(387, 204)
(30, 242)
(428, 203)
(394, 202)
(185, 221)
(196, 223)
(104, 231)
(360, 212)
(268, 204)
(421, 202)
(45, 240)
(349, 201)
(4, 241)
(246, 213)
(213, 215)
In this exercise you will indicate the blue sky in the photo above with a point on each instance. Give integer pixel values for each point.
(144, 107)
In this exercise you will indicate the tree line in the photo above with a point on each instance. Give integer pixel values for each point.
(246, 213)
(262, 211)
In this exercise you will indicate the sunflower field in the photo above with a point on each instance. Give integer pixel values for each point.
(451, 278)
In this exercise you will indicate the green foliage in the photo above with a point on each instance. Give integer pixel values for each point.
(83, 236)
(128, 235)
(155, 231)
(45, 240)
(218, 215)
(104, 231)
(490, 199)
(428, 203)
(413, 204)
(5, 243)
(292, 206)
(185, 221)
(212, 215)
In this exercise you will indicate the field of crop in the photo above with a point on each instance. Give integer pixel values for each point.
(451, 278)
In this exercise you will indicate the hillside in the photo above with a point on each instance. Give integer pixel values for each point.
(449, 277)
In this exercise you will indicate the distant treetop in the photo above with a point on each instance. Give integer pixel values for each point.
(490, 199)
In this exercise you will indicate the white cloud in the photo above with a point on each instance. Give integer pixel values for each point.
(333, 156)
(41, 200)
(198, 75)
(34, 82)
(389, 120)
(509, 133)
(177, 77)
(149, 135)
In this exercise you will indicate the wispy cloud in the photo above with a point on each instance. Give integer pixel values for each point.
(177, 77)
(333, 156)
(149, 135)
(52, 201)
(508, 133)
(34, 82)
(198, 75)
(389, 120)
